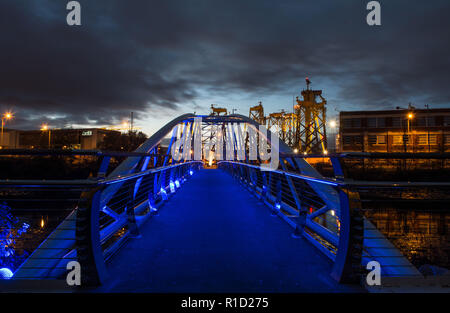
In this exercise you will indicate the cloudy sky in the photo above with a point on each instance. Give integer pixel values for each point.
(160, 59)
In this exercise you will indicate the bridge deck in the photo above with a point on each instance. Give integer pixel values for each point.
(212, 236)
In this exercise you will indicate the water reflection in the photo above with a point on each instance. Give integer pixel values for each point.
(422, 236)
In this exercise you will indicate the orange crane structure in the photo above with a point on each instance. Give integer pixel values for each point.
(304, 129)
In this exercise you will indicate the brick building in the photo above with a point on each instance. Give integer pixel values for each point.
(401, 130)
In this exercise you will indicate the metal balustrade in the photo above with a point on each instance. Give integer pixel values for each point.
(96, 215)
(341, 231)
(337, 231)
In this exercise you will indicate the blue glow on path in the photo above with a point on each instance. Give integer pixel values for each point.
(214, 236)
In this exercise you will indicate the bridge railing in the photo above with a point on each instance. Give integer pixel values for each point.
(336, 229)
(84, 220)
(330, 213)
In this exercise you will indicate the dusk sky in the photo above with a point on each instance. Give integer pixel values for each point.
(161, 59)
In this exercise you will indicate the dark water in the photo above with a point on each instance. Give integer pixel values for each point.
(422, 235)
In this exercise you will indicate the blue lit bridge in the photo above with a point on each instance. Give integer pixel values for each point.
(160, 223)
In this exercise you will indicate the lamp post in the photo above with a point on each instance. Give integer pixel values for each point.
(410, 117)
(428, 127)
(5, 117)
(44, 128)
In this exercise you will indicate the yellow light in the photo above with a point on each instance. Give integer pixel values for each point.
(44, 127)
(333, 124)
(410, 115)
(8, 115)
(42, 222)
(325, 152)
(305, 153)
(332, 212)
(295, 150)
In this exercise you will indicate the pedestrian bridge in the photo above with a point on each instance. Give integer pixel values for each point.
(157, 223)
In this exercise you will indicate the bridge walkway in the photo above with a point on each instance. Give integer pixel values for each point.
(213, 236)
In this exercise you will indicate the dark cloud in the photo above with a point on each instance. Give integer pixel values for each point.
(148, 56)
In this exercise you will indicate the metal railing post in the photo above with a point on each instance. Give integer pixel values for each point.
(87, 234)
(347, 267)
(131, 218)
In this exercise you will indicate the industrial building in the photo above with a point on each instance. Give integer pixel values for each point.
(84, 138)
(400, 130)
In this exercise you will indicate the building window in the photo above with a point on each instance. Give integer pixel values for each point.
(447, 120)
(433, 139)
(396, 122)
(351, 122)
(358, 140)
(447, 139)
(381, 139)
(377, 139)
(400, 139)
(422, 139)
(347, 122)
(381, 122)
(372, 122)
(431, 121)
(356, 122)
(347, 140)
(421, 121)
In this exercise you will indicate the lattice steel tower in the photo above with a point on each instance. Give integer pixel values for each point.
(310, 135)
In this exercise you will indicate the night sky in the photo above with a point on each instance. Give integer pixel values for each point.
(164, 58)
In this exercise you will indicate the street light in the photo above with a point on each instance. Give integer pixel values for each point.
(44, 128)
(6, 116)
(410, 117)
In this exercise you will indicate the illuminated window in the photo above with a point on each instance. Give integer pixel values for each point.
(381, 139)
(397, 140)
(376, 139)
(433, 139)
(422, 140)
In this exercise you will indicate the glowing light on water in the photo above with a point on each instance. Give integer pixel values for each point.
(191, 173)
(42, 222)
(177, 183)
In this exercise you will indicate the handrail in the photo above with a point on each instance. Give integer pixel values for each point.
(347, 182)
(347, 239)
